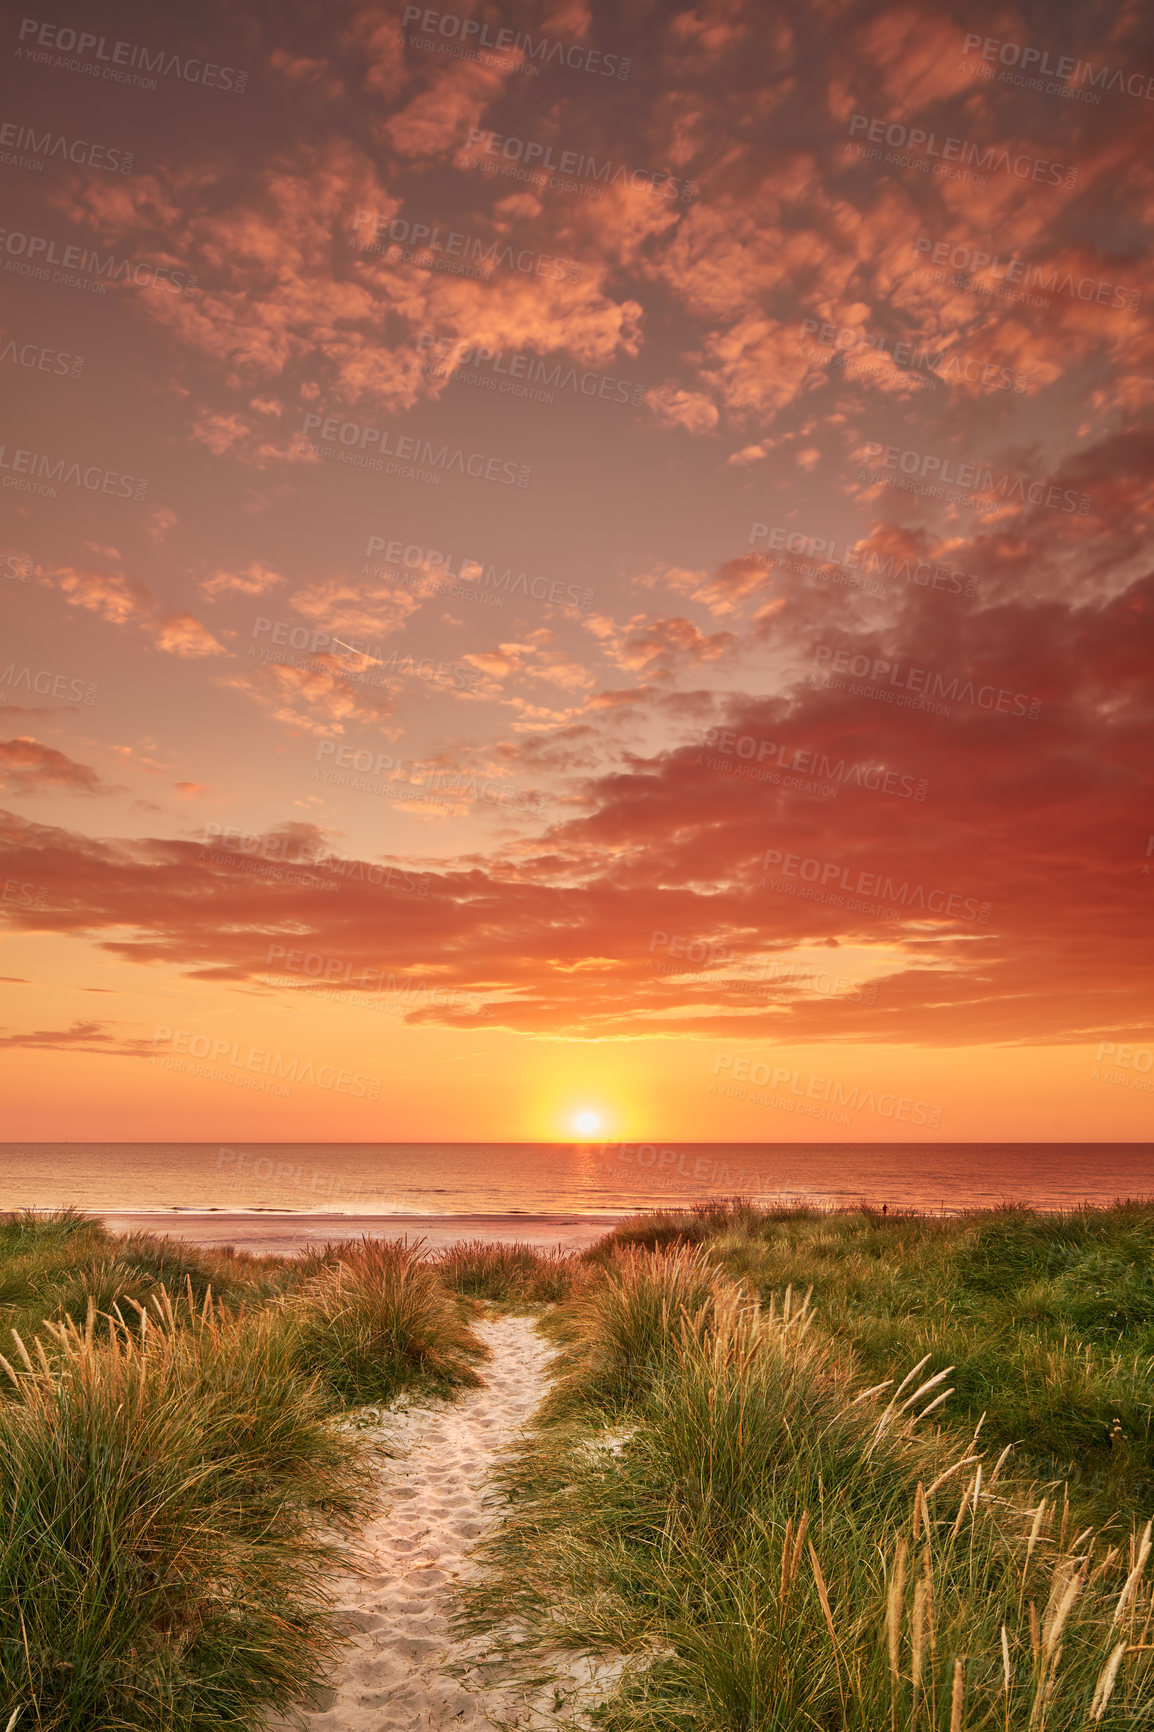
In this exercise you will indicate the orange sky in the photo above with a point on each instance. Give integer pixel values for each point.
(605, 573)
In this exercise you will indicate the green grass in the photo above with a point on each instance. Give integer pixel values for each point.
(163, 1500)
(175, 1476)
(716, 1490)
(51, 1263)
(379, 1321)
(1048, 1320)
(505, 1274)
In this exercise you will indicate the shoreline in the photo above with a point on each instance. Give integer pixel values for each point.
(269, 1232)
(279, 1234)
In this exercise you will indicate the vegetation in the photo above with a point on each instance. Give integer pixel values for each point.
(1046, 1320)
(791, 1512)
(505, 1274)
(843, 1471)
(379, 1320)
(175, 1477)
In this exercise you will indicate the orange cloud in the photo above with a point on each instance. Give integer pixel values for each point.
(27, 766)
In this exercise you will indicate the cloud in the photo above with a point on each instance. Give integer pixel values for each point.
(537, 657)
(252, 579)
(345, 608)
(718, 305)
(928, 837)
(320, 697)
(734, 583)
(673, 406)
(111, 595)
(81, 1037)
(659, 648)
(181, 634)
(27, 766)
(120, 601)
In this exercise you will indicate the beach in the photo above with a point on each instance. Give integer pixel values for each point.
(284, 1235)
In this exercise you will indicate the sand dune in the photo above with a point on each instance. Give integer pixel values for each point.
(407, 1670)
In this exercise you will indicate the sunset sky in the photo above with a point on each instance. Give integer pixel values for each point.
(569, 560)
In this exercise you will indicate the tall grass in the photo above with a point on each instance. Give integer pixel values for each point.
(619, 1325)
(166, 1495)
(174, 1479)
(52, 1263)
(378, 1321)
(779, 1546)
(505, 1274)
(1048, 1320)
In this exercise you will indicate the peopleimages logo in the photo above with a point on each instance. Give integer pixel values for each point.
(928, 146)
(921, 572)
(830, 876)
(25, 466)
(36, 252)
(223, 843)
(24, 895)
(439, 787)
(944, 365)
(475, 575)
(452, 355)
(273, 1065)
(927, 683)
(414, 992)
(544, 50)
(829, 1091)
(47, 684)
(14, 137)
(86, 46)
(43, 359)
(418, 242)
(975, 478)
(810, 763)
(360, 442)
(325, 644)
(1079, 72)
(976, 261)
(572, 162)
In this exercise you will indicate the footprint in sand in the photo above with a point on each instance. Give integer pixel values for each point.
(407, 1670)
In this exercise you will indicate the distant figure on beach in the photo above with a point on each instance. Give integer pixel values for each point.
(885, 1208)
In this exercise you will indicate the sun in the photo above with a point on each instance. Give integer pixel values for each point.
(588, 1124)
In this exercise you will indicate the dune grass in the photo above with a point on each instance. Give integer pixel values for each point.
(379, 1320)
(1048, 1320)
(52, 1263)
(513, 1274)
(715, 1487)
(166, 1492)
(176, 1481)
(722, 1496)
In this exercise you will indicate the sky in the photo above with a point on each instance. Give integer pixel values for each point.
(577, 571)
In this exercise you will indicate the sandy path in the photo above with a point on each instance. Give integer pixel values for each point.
(406, 1669)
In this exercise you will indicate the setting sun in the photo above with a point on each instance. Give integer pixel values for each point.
(588, 1124)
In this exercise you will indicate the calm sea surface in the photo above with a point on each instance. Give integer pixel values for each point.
(278, 1195)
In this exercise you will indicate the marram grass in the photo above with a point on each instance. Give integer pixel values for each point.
(844, 1511)
(776, 1544)
(176, 1485)
(165, 1493)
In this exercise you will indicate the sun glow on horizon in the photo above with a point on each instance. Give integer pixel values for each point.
(587, 1123)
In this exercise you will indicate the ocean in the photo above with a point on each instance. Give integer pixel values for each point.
(280, 1196)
